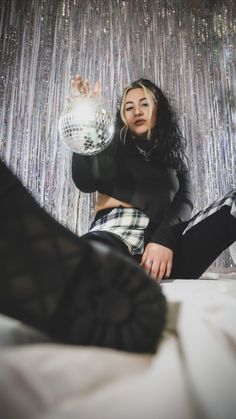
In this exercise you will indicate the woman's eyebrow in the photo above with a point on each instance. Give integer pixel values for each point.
(144, 98)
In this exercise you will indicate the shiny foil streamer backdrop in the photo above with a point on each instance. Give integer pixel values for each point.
(187, 47)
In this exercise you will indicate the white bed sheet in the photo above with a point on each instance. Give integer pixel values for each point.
(192, 375)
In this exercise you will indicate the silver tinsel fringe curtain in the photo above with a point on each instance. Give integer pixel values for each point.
(187, 47)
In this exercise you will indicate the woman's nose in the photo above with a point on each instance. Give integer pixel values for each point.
(138, 110)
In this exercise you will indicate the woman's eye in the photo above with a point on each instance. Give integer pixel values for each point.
(129, 109)
(145, 104)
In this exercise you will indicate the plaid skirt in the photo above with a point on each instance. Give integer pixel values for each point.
(128, 224)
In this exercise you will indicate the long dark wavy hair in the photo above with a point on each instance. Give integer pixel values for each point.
(170, 143)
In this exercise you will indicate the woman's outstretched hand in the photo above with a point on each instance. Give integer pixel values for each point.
(157, 261)
(84, 88)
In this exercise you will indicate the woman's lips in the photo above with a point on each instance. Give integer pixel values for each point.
(140, 122)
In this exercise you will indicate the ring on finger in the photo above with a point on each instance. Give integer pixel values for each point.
(149, 261)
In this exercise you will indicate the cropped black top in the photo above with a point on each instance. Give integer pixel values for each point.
(122, 172)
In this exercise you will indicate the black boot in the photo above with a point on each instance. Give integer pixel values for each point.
(78, 292)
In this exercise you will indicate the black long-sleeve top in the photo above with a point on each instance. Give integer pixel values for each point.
(121, 172)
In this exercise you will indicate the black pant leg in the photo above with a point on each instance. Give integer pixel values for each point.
(203, 243)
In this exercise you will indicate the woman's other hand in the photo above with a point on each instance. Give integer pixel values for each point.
(84, 88)
(157, 261)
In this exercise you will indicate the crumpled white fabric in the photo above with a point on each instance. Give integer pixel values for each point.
(192, 375)
(55, 381)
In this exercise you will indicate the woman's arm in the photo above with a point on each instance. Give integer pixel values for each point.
(179, 211)
(90, 172)
(85, 172)
(158, 255)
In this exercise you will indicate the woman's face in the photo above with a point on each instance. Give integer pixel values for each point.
(137, 112)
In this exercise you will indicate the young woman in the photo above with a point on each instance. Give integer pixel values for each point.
(89, 290)
(144, 190)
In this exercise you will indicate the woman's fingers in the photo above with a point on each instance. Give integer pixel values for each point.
(157, 261)
(158, 270)
(155, 269)
(78, 87)
(79, 84)
(97, 89)
(147, 265)
(89, 86)
(84, 88)
(168, 270)
(161, 271)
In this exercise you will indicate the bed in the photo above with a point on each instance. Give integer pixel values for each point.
(192, 375)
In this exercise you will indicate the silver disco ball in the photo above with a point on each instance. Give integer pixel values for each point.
(85, 126)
